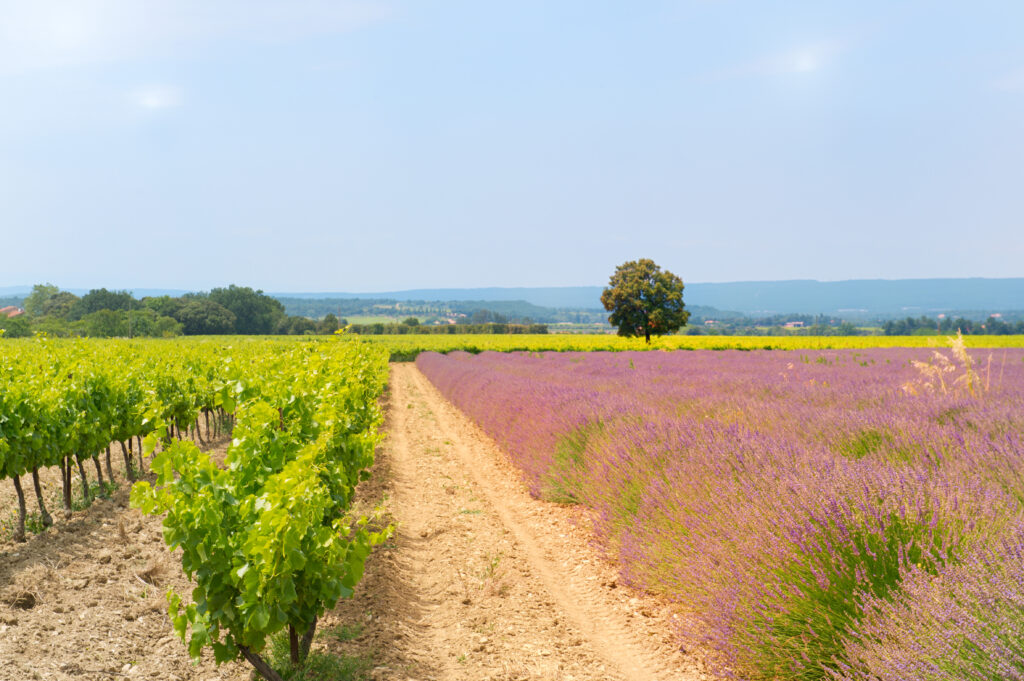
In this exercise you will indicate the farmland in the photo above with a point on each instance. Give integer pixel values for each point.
(826, 514)
(406, 347)
(821, 512)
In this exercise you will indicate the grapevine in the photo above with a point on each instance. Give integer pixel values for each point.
(268, 536)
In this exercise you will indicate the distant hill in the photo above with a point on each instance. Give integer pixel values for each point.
(22, 291)
(858, 298)
(862, 297)
(574, 297)
(852, 298)
(518, 310)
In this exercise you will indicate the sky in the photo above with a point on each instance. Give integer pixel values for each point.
(337, 145)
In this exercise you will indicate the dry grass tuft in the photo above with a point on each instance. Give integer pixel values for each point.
(19, 598)
(153, 574)
(933, 372)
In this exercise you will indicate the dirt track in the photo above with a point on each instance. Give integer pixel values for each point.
(484, 582)
(480, 581)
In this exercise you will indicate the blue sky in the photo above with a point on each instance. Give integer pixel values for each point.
(327, 145)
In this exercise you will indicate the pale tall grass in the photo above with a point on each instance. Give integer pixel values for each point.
(933, 373)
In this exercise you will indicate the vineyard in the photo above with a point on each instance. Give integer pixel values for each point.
(267, 534)
(405, 348)
(844, 514)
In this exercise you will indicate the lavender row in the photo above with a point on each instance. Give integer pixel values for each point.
(802, 508)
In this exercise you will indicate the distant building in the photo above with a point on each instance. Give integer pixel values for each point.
(793, 325)
(11, 311)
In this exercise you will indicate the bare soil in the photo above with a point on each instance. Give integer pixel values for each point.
(480, 582)
(84, 600)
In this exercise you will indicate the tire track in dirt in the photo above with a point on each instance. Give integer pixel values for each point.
(615, 635)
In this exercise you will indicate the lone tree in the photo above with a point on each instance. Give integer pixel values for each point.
(644, 300)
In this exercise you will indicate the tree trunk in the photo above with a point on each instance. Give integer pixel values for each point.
(85, 481)
(142, 468)
(65, 480)
(19, 530)
(259, 664)
(206, 415)
(128, 472)
(99, 472)
(110, 470)
(293, 645)
(43, 513)
(307, 640)
(647, 335)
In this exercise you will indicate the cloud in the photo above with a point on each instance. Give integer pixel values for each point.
(46, 34)
(804, 59)
(156, 97)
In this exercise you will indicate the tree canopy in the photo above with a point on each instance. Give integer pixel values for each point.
(329, 324)
(102, 299)
(255, 312)
(103, 313)
(204, 317)
(49, 300)
(644, 300)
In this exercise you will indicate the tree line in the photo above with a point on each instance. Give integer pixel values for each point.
(926, 326)
(105, 314)
(499, 311)
(413, 326)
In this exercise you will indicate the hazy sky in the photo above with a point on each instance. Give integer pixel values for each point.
(309, 145)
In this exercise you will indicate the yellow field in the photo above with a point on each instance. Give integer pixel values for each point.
(406, 347)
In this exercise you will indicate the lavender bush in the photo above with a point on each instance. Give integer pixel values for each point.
(798, 504)
(962, 623)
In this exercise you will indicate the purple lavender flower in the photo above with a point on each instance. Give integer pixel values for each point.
(782, 499)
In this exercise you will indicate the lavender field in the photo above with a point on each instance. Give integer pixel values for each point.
(827, 514)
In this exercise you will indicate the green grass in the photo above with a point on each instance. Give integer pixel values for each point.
(345, 632)
(320, 665)
(562, 483)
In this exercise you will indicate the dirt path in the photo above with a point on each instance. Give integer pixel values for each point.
(484, 582)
